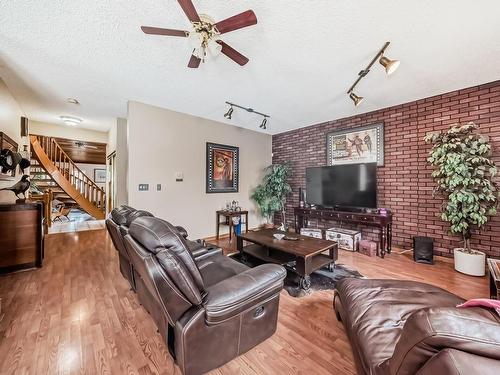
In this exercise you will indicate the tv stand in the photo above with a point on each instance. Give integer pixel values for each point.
(382, 221)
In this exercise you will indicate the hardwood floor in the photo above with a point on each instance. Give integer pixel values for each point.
(77, 315)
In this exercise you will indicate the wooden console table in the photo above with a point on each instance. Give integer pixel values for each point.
(383, 222)
(228, 215)
(494, 268)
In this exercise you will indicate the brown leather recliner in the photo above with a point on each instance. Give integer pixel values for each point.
(210, 309)
(118, 222)
(118, 218)
(404, 327)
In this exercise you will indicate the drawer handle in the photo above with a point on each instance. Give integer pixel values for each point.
(258, 312)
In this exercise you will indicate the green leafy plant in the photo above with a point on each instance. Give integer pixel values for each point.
(464, 173)
(271, 194)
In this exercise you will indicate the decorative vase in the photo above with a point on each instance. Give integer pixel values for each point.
(470, 263)
(268, 226)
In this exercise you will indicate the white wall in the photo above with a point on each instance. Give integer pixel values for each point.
(10, 124)
(163, 142)
(117, 142)
(68, 132)
(88, 169)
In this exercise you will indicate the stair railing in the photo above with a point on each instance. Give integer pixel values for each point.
(67, 167)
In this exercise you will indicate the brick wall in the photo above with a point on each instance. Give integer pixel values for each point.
(404, 182)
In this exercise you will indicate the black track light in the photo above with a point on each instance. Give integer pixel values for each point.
(264, 122)
(229, 113)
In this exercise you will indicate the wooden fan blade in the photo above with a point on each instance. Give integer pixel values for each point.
(239, 21)
(189, 9)
(194, 62)
(160, 31)
(232, 53)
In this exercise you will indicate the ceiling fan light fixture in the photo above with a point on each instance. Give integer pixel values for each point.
(390, 65)
(356, 99)
(70, 120)
(264, 124)
(229, 113)
(214, 48)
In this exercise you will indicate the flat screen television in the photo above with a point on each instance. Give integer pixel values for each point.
(343, 186)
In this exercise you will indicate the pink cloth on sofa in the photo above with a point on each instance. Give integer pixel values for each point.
(482, 302)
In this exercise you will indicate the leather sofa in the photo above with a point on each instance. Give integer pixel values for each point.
(209, 309)
(118, 222)
(404, 327)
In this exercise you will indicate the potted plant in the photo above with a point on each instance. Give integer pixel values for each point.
(271, 194)
(464, 173)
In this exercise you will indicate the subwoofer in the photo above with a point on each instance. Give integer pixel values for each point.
(423, 250)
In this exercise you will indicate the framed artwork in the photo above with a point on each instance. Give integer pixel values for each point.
(222, 168)
(100, 176)
(7, 143)
(357, 145)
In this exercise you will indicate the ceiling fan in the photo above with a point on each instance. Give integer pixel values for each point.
(80, 144)
(204, 37)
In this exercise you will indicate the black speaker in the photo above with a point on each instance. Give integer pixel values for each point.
(302, 197)
(24, 127)
(423, 250)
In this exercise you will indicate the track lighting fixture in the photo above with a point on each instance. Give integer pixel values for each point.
(356, 99)
(264, 122)
(228, 114)
(390, 67)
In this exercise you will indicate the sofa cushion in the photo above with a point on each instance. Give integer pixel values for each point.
(161, 238)
(377, 311)
(119, 215)
(219, 267)
(132, 215)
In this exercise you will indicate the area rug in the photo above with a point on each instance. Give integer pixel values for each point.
(320, 280)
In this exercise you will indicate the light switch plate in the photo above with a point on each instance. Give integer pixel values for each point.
(179, 176)
(143, 187)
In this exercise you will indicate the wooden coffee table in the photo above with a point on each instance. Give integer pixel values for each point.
(303, 256)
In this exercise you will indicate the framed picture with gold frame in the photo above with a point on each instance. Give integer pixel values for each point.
(7, 143)
(363, 144)
(222, 168)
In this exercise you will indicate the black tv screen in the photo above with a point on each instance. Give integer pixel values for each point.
(349, 185)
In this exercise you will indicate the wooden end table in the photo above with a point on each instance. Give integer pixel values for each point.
(228, 216)
(302, 257)
(494, 268)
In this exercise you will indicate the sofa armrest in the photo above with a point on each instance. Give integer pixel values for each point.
(206, 252)
(456, 362)
(428, 331)
(182, 231)
(241, 292)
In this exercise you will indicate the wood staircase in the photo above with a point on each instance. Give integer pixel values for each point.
(55, 170)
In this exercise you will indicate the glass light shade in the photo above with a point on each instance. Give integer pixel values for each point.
(195, 39)
(214, 48)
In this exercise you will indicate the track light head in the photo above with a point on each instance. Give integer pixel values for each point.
(356, 99)
(390, 65)
(264, 123)
(229, 113)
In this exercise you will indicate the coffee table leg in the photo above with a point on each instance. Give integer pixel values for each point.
(305, 283)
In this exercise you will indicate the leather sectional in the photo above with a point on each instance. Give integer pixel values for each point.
(404, 327)
(208, 307)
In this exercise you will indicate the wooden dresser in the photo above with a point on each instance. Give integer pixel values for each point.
(21, 236)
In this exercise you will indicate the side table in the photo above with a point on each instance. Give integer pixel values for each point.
(494, 268)
(228, 216)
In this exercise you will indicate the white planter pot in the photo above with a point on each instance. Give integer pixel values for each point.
(470, 264)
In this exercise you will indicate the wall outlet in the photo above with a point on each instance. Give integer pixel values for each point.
(158, 187)
(143, 187)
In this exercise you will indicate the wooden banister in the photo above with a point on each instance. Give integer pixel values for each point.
(68, 175)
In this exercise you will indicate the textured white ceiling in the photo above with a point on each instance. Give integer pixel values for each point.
(303, 55)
